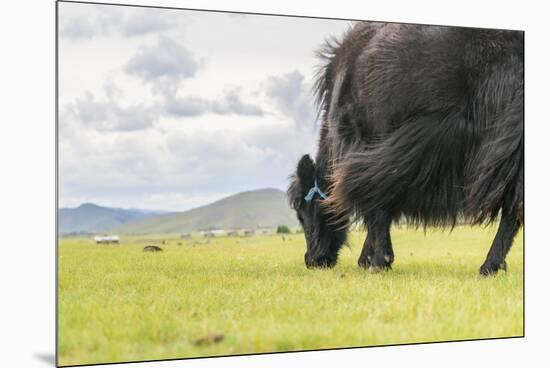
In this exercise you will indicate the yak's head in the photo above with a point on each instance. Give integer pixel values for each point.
(323, 236)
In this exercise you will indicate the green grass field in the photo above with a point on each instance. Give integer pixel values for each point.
(117, 303)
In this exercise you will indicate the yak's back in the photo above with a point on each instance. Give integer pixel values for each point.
(389, 72)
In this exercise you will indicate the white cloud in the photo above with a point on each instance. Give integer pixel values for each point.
(292, 97)
(146, 22)
(165, 59)
(86, 21)
(79, 28)
(230, 103)
(109, 115)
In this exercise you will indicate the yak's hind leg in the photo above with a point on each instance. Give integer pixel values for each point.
(368, 249)
(496, 258)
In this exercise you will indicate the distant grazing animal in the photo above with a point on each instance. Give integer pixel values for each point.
(152, 248)
(419, 123)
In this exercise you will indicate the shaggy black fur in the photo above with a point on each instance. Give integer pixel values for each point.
(423, 123)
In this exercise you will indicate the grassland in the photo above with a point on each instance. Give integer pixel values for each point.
(117, 303)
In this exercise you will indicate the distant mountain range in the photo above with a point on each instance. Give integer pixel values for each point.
(263, 207)
(91, 218)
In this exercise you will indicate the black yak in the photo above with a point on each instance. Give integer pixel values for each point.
(420, 123)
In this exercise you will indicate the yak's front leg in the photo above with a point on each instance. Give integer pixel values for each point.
(496, 258)
(383, 251)
(368, 250)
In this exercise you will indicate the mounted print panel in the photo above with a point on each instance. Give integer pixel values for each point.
(235, 183)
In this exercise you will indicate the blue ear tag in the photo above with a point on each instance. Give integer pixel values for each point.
(312, 191)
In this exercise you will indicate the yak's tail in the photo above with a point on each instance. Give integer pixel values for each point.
(496, 175)
(415, 170)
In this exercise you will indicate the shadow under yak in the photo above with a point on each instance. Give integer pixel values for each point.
(422, 123)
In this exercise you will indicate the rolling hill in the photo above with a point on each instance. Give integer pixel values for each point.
(91, 218)
(263, 207)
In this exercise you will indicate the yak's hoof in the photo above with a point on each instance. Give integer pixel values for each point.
(490, 268)
(320, 263)
(379, 269)
(380, 263)
(364, 262)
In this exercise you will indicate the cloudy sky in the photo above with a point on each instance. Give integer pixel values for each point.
(172, 109)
